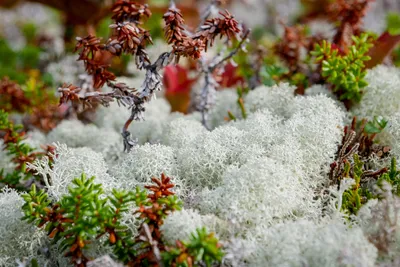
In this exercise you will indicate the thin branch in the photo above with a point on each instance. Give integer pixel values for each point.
(206, 98)
(151, 83)
(233, 52)
(208, 91)
(153, 243)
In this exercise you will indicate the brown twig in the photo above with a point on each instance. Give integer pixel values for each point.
(208, 90)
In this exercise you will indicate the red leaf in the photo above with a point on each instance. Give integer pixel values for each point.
(382, 48)
(176, 79)
(230, 77)
(178, 86)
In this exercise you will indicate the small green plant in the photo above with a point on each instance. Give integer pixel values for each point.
(82, 216)
(353, 161)
(21, 153)
(76, 219)
(345, 72)
(356, 196)
(86, 214)
(202, 248)
(153, 210)
(392, 177)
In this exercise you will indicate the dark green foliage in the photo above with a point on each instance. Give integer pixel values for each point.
(8, 62)
(7, 54)
(82, 216)
(119, 235)
(13, 137)
(36, 206)
(34, 263)
(86, 214)
(392, 177)
(202, 249)
(356, 196)
(154, 24)
(396, 56)
(345, 72)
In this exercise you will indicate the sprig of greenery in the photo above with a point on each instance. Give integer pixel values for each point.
(36, 206)
(153, 210)
(353, 161)
(346, 72)
(356, 196)
(86, 214)
(20, 152)
(392, 177)
(75, 220)
(202, 249)
(83, 215)
(120, 237)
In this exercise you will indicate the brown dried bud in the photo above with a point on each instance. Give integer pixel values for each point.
(225, 26)
(190, 48)
(69, 93)
(89, 45)
(130, 11)
(174, 30)
(12, 97)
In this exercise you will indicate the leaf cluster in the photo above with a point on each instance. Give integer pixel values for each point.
(21, 153)
(353, 161)
(345, 72)
(201, 248)
(357, 195)
(153, 210)
(392, 177)
(81, 216)
(86, 213)
(34, 99)
(74, 220)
